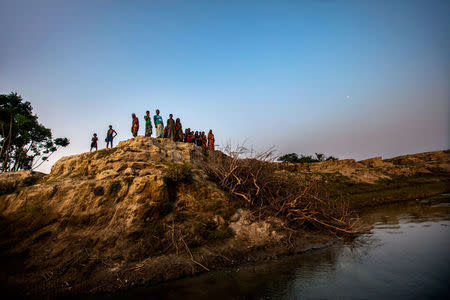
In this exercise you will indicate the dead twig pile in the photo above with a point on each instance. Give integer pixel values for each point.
(257, 179)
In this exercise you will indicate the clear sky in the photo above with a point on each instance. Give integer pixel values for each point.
(353, 79)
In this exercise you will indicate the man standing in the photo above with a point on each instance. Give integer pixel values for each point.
(158, 125)
(148, 124)
(110, 135)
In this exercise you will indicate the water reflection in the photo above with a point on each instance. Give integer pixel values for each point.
(406, 256)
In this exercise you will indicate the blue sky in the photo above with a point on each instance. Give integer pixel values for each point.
(353, 79)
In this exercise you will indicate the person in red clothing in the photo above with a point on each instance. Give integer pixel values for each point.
(178, 131)
(135, 125)
(204, 140)
(211, 140)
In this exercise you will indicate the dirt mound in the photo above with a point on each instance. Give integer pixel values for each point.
(118, 217)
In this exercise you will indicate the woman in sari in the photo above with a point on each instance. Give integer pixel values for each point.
(134, 125)
(178, 131)
(189, 136)
(148, 124)
(204, 140)
(186, 132)
(170, 133)
(211, 140)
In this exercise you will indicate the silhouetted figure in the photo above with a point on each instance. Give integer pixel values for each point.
(110, 135)
(94, 142)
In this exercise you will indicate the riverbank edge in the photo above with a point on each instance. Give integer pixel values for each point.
(255, 256)
(178, 266)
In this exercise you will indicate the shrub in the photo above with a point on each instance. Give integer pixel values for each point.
(176, 172)
(99, 191)
(128, 180)
(114, 187)
(294, 158)
(7, 187)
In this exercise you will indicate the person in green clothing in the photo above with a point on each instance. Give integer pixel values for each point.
(158, 125)
(148, 124)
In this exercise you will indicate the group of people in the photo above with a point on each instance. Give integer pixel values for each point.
(173, 130)
(110, 135)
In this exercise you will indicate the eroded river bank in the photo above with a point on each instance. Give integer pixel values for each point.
(406, 256)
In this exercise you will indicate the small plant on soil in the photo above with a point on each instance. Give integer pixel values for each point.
(99, 191)
(178, 172)
(114, 187)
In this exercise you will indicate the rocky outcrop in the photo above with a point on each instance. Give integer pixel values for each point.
(112, 219)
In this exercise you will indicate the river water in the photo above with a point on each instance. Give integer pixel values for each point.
(406, 256)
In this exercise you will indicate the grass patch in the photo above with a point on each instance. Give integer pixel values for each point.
(99, 191)
(128, 180)
(103, 152)
(7, 188)
(114, 187)
(177, 172)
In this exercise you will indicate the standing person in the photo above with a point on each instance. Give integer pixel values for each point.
(178, 131)
(190, 136)
(110, 135)
(159, 126)
(170, 128)
(186, 132)
(134, 125)
(94, 142)
(204, 140)
(148, 124)
(211, 140)
(196, 139)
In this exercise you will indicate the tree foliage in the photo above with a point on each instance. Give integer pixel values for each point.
(24, 143)
(294, 158)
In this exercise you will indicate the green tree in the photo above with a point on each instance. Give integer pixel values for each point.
(24, 143)
(289, 158)
(294, 158)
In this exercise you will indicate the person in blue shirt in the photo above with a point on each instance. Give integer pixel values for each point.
(158, 125)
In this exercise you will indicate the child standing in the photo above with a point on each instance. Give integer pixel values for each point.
(110, 135)
(94, 142)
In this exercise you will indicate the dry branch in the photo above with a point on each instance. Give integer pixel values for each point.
(258, 179)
